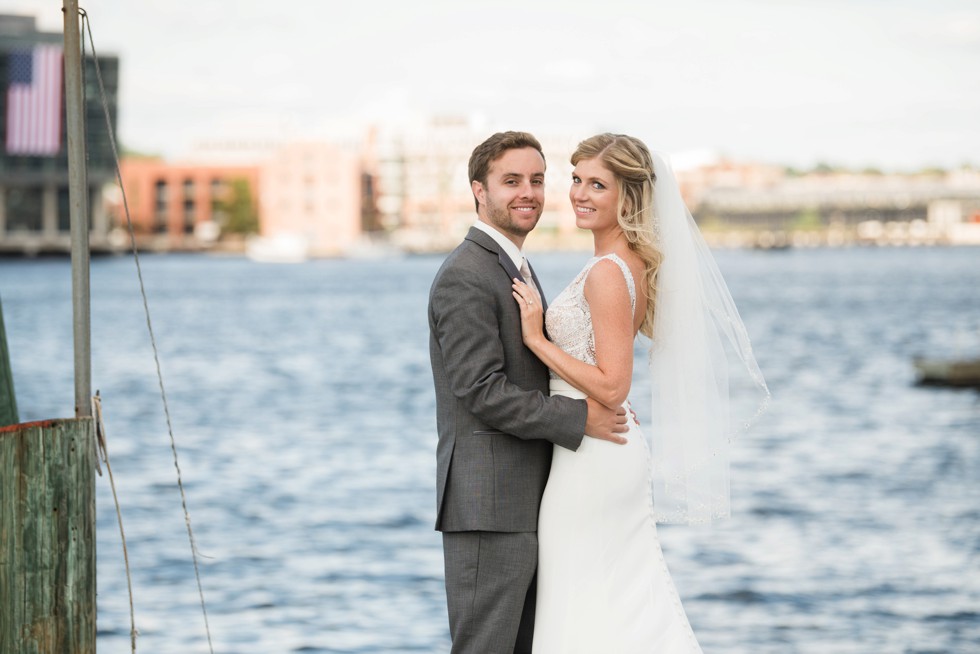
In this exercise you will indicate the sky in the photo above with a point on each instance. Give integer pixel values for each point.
(891, 84)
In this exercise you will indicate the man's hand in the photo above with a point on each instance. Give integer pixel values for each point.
(633, 413)
(604, 423)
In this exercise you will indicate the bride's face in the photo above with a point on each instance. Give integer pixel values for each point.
(594, 195)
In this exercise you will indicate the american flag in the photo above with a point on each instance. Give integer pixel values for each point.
(34, 100)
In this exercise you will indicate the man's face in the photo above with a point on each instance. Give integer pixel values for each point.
(513, 197)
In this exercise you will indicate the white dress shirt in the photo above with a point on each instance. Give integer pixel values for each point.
(515, 253)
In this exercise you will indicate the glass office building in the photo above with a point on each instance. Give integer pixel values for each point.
(34, 208)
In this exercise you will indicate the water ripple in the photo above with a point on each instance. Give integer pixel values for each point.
(303, 408)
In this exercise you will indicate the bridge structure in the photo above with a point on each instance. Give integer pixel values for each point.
(889, 209)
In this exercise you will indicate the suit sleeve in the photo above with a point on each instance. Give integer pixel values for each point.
(465, 324)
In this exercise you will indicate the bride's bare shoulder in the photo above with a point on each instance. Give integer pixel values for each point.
(606, 275)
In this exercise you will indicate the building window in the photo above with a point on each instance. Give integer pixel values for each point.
(23, 209)
(219, 191)
(63, 207)
(161, 203)
(190, 215)
(64, 210)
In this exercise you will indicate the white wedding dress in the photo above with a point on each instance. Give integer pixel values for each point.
(603, 584)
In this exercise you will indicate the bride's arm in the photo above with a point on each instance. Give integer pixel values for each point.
(609, 380)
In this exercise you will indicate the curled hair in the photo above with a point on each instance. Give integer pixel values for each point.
(632, 166)
(492, 149)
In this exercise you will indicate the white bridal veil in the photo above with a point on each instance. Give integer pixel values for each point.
(706, 384)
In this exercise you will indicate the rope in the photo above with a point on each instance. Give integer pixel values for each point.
(149, 325)
(100, 439)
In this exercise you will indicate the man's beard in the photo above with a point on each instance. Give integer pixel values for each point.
(500, 217)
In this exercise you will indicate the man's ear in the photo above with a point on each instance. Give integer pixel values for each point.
(479, 192)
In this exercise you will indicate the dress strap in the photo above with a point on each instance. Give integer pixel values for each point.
(626, 273)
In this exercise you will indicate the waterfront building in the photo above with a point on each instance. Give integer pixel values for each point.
(423, 193)
(423, 190)
(407, 187)
(34, 205)
(317, 194)
(184, 205)
(835, 208)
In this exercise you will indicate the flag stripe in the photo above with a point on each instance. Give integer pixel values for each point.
(34, 101)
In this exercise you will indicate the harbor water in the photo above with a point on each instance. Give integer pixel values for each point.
(303, 410)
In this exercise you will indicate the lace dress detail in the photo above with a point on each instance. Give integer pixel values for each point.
(569, 319)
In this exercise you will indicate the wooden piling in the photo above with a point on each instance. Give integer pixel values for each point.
(47, 538)
(8, 401)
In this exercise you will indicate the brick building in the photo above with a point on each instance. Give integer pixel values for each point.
(181, 206)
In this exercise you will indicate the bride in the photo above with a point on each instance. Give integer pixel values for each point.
(603, 585)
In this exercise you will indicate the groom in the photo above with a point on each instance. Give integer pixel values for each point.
(495, 418)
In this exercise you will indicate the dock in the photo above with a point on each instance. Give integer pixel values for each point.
(958, 373)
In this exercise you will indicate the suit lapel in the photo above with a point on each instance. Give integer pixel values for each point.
(484, 241)
(534, 275)
(508, 264)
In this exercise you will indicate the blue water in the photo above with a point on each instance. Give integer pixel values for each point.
(303, 410)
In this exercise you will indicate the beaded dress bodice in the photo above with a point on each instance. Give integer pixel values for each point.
(569, 319)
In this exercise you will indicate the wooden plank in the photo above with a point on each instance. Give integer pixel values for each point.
(47, 538)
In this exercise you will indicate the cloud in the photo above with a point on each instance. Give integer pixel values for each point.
(889, 81)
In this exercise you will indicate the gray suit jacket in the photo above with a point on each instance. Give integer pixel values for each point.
(495, 418)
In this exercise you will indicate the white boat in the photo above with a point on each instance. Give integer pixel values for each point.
(278, 248)
(373, 248)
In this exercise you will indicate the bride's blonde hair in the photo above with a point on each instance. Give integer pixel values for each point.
(630, 162)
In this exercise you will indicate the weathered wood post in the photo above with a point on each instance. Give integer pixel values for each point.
(8, 400)
(47, 537)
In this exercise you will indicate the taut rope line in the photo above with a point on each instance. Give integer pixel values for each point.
(149, 325)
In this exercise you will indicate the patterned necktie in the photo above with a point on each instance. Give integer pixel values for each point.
(526, 272)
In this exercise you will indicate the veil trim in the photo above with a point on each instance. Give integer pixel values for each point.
(707, 387)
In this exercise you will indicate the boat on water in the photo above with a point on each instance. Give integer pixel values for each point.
(959, 373)
(373, 248)
(279, 248)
